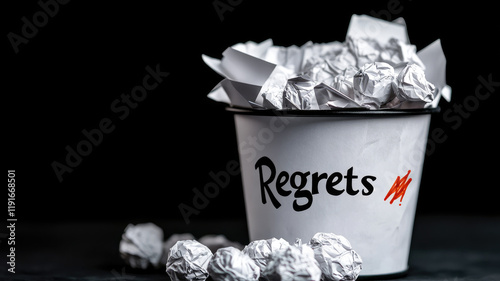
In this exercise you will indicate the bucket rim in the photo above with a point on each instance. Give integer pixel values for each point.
(386, 276)
(333, 112)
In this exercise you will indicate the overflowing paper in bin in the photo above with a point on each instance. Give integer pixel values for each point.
(376, 67)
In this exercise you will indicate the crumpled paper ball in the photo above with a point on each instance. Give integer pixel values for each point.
(337, 260)
(412, 85)
(261, 250)
(188, 260)
(230, 264)
(373, 82)
(141, 245)
(171, 242)
(293, 263)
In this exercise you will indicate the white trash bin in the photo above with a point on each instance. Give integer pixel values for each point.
(353, 173)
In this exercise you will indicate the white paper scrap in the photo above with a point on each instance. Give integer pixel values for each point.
(363, 26)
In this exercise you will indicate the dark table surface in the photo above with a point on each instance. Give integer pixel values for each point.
(444, 248)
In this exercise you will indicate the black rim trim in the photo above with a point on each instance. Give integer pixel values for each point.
(336, 112)
(384, 276)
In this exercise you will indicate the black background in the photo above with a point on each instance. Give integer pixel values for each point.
(66, 77)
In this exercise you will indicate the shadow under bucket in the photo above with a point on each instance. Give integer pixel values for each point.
(351, 172)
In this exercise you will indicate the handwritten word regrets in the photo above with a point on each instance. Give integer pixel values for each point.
(278, 184)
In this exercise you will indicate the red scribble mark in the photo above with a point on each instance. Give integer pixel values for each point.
(399, 188)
